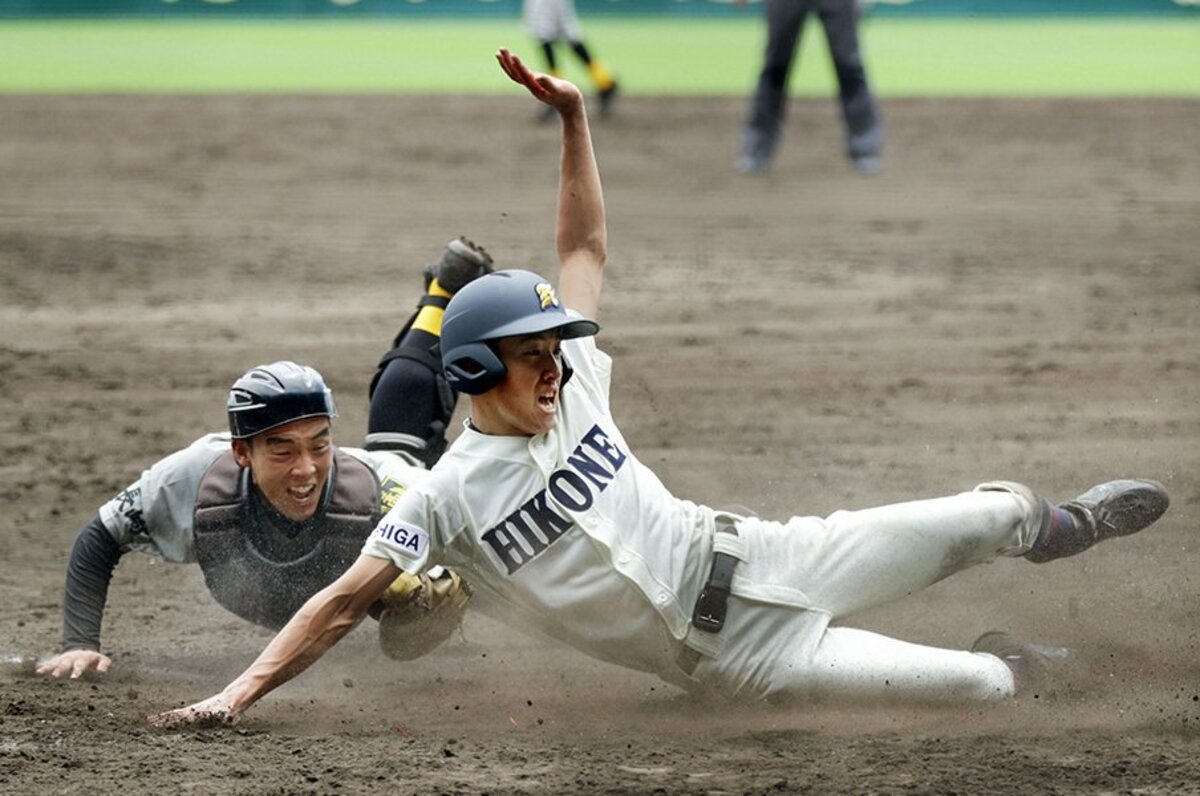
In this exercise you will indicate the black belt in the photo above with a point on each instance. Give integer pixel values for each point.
(709, 613)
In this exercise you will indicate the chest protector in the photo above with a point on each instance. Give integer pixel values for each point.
(267, 588)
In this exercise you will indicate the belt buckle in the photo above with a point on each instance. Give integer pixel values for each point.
(709, 614)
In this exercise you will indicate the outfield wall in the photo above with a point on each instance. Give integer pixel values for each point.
(511, 8)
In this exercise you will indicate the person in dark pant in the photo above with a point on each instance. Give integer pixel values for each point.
(785, 25)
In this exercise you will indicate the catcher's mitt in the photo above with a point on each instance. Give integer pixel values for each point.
(419, 612)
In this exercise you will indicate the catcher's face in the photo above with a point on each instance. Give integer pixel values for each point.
(526, 402)
(290, 464)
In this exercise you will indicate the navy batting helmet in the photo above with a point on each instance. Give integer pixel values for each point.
(271, 395)
(499, 304)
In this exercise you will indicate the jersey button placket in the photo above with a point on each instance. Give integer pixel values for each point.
(542, 454)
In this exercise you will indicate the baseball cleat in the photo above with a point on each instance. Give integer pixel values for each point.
(868, 164)
(1119, 508)
(1033, 665)
(756, 152)
(607, 98)
(1106, 511)
(752, 164)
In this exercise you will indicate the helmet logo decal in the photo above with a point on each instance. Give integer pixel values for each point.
(545, 294)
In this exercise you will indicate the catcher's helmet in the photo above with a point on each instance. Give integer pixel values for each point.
(271, 395)
(499, 304)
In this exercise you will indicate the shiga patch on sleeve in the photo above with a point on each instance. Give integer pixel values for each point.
(390, 491)
(409, 540)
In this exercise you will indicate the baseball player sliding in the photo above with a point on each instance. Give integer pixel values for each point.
(543, 502)
(273, 511)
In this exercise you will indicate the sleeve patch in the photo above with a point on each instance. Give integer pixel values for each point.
(407, 540)
(390, 491)
(127, 512)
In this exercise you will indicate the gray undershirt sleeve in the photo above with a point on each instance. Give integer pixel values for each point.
(89, 571)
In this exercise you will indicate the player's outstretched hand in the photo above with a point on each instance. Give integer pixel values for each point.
(212, 712)
(562, 95)
(74, 664)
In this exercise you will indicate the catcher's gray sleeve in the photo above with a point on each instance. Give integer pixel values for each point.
(93, 558)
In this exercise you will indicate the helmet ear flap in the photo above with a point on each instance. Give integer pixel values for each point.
(473, 368)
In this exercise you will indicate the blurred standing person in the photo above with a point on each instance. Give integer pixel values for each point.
(785, 26)
(554, 21)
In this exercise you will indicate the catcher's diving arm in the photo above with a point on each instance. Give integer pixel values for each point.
(94, 556)
(330, 614)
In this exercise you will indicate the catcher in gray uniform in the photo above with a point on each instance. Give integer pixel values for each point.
(273, 511)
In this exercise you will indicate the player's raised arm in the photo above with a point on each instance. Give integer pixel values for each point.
(318, 625)
(582, 238)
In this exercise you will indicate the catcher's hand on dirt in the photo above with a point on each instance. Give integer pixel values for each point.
(420, 612)
(562, 95)
(212, 712)
(74, 664)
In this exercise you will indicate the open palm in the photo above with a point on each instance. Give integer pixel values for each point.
(558, 93)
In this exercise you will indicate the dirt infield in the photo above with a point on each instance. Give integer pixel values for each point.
(1017, 296)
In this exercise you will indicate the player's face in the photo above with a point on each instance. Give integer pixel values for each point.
(290, 464)
(526, 402)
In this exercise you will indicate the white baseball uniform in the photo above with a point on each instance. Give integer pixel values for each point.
(552, 20)
(568, 532)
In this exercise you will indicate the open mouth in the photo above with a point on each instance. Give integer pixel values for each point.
(302, 494)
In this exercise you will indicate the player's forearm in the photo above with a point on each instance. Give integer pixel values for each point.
(316, 627)
(94, 556)
(299, 645)
(582, 238)
(322, 621)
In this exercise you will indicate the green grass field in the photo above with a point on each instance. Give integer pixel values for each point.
(918, 57)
